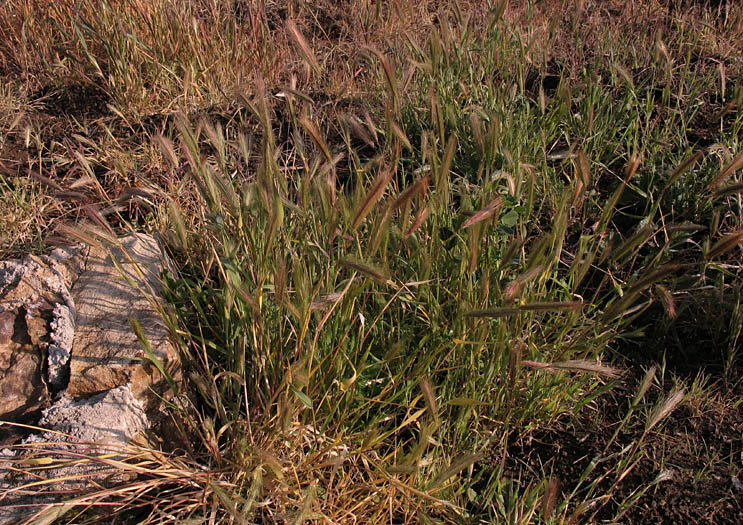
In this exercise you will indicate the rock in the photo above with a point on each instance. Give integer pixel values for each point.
(106, 352)
(29, 291)
(22, 390)
(7, 321)
(65, 333)
(36, 316)
(39, 281)
(85, 432)
(64, 324)
(60, 347)
(111, 417)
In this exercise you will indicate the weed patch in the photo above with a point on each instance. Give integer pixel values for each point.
(453, 263)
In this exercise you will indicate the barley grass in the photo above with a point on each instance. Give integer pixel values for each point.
(399, 249)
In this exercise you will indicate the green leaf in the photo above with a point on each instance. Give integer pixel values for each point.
(304, 398)
(510, 218)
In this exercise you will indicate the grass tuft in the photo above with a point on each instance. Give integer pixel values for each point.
(413, 244)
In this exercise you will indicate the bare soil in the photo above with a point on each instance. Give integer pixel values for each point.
(697, 449)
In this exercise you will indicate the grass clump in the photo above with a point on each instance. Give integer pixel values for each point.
(366, 317)
(389, 284)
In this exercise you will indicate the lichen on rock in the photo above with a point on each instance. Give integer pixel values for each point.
(60, 348)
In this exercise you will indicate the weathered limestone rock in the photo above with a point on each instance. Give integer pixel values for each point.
(22, 390)
(65, 334)
(58, 351)
(36, 312)
(106, 352)
(69, 455)
(111, 417)
(65, 324)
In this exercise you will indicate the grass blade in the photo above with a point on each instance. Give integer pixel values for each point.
(301, 42)
(372, 197)
(736, 163)
(492, 208)
(575, 365)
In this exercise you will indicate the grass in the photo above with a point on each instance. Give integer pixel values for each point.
(407, 239)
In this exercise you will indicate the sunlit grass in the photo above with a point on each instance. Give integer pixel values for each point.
(378, 296)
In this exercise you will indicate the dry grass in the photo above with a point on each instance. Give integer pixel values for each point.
(407, 234)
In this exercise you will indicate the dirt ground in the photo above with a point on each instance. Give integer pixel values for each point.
(696, 452)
